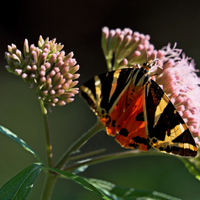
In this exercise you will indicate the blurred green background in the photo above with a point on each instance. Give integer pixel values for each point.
(78, 24)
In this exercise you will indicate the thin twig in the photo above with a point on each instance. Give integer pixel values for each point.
(112, 156)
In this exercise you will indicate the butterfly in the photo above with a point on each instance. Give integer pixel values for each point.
(135, 110)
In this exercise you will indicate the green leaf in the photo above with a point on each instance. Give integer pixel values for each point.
(119, 193)
(80, 169)
(83, 182)
(191, 167)
(14, 137)
(19, 186)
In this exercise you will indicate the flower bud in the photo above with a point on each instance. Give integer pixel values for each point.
(126, 45)
(46, 68)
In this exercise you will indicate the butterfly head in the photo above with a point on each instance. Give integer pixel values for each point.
(148, 65)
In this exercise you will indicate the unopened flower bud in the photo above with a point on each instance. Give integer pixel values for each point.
(46, 68)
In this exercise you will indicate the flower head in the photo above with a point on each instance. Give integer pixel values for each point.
(124, 48)
(47, 69)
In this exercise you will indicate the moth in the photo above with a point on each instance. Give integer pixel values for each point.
(136, 110)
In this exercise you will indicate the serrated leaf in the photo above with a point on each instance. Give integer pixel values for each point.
(119, 193)
(20, 186)
(81, 181)
(14, 137)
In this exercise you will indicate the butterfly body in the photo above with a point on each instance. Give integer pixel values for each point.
(137, 111)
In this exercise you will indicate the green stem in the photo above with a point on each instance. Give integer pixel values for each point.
(78, 143)
(112, 156)
(85, 155)
(47, 135)
(49, 185)
(108, 62)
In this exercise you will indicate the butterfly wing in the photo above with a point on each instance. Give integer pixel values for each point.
(107, 96)
(104, 91)
(165, 127)
(131, 126)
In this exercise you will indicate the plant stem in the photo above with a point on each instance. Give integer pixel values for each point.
(49, 185)
(112, 156)
(89, 154)
(47, 135)
(108, 61)
(78, 143)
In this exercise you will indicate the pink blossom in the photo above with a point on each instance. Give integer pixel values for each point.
(47, 69)
(126, 47)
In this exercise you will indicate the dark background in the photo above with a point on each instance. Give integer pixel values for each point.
(77, 25)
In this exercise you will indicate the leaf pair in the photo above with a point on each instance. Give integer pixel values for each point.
(20, 186)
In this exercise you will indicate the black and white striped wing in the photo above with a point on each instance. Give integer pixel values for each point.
(165, 128)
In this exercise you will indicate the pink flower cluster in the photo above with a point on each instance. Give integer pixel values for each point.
(47, 69)
(176, 73)
(126, 47)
